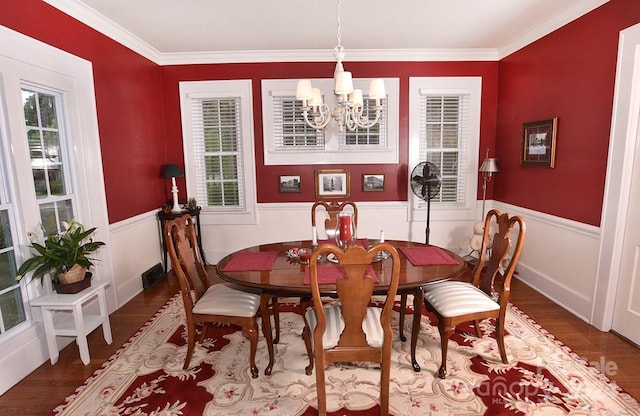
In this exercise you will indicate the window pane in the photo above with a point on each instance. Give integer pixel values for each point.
(52, 214)
(7, 270)
(11, 309)
(5, 230)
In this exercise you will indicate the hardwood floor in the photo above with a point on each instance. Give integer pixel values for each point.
(48, 385)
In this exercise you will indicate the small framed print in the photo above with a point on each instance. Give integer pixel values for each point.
(332, 183)
(372, 182)
(290, 183)
(539, 143)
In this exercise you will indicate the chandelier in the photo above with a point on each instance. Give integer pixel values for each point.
(350, 112)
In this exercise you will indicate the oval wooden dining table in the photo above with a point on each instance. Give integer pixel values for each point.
(268, 269)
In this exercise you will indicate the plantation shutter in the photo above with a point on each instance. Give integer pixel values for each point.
(290, 131)
(218, 155)
(443, 132)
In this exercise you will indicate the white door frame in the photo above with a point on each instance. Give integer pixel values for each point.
(624, 125)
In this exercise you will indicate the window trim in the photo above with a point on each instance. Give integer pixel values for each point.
(332, 152)
(471, 86)
(190, 90)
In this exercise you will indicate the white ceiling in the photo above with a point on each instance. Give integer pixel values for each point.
(174, 31)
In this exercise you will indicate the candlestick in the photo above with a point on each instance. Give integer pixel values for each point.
(314, 235)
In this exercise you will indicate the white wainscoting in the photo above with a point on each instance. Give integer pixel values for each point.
(135, 247)
(559, 259)
(292, 221)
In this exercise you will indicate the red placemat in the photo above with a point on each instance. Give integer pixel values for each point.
(329, 274)
(425, 256)
(249, 260)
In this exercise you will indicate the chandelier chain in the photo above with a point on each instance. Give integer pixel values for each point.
(339, 35)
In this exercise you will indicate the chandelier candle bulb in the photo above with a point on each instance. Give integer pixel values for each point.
(382, 236)
(356, 98)
(376, 89)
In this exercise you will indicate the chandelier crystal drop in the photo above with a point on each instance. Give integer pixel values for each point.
(349, 114)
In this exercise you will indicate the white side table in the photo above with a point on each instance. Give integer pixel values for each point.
(81, 325)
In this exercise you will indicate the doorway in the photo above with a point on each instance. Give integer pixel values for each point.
(616, 302)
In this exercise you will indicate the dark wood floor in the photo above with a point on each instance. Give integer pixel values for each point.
(48, 385)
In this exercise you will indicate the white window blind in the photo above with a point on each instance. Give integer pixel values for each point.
(290, 130)
(373, 137)
(444, 127)
(218, 155)
(217, 131)
(444, 124)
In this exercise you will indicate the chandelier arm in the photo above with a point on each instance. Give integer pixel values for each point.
(363, 122)
(321, 117)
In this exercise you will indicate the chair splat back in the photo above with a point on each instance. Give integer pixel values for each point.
(205, 303)
(497, 264)
(183, 245)
(332, 210)
(353, 330)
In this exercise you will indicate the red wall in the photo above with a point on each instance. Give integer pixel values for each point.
(569, 74)
(128, 99)
(267, 176)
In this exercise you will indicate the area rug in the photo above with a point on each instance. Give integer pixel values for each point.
(145, 376)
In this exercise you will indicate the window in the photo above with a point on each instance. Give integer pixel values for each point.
(288, 140)
(445, 119)
(45, 138)
(218, 146)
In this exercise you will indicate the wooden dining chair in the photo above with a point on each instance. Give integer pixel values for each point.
(351, 330)
(331, 211)
(487, 295)
(205, 303)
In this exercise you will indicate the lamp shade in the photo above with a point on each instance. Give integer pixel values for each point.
(490, 165)
(171, 171)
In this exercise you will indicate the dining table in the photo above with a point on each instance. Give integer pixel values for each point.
(275, 270)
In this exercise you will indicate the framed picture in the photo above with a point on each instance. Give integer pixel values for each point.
(332, 183)
(290, 183)
(539, 143)
(372, 182)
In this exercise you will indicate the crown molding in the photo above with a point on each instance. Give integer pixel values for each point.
(549, 26)
(326, 55)
(81, 12)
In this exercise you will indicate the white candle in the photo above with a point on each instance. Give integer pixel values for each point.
(314, 235)
(382, 236)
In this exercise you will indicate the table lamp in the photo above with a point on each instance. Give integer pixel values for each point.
(488, 168)
(173, 171)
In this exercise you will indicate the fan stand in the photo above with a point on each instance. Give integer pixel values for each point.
(427, 230)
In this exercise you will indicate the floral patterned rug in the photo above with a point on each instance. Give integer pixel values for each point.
(145, 377)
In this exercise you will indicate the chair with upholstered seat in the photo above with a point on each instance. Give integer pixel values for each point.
(487, 296)
(351, 330)
(331, 211)
(205, 303)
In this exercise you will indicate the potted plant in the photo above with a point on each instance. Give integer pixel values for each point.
(64, 256)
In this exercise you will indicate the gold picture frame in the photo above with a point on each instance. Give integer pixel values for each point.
(539, 143)
(332, 183)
